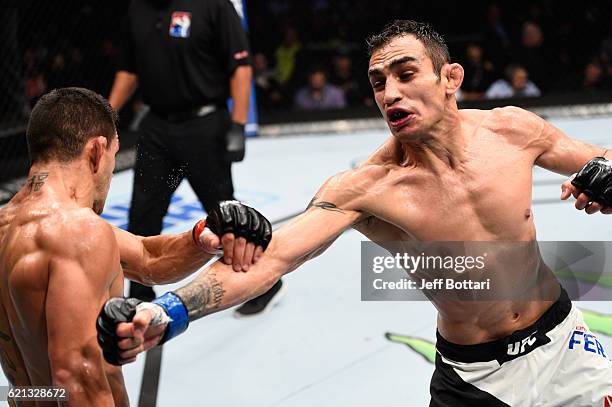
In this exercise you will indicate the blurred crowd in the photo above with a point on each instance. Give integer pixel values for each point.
(311, 55)
(46, 46)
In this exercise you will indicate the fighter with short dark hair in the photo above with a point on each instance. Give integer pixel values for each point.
(60, 261)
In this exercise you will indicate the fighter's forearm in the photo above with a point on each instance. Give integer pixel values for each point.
(565, 155)
(305, 237)
(166, 259)
(240, 89)
(220, 287)
(583, 153)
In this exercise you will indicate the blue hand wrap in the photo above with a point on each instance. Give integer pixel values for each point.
(179, 318)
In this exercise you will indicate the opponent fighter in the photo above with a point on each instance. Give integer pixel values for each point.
(60, 261)
(445, 174)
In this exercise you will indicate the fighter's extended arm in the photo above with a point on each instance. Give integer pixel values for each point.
(80, 275)
(305, 237)
(333, 210)
(164, 259)
(557, 152)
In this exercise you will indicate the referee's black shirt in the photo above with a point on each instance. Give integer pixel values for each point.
(183, 51)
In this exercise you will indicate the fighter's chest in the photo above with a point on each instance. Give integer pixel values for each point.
(491, 195)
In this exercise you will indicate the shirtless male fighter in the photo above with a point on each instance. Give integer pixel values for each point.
(452, 175)
(60, 261)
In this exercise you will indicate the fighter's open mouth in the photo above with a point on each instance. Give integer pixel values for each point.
(398, 117)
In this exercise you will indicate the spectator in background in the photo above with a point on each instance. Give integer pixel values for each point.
(343, 75)
(478, 73)
(35, 87)
(534, 57)
(318, 94)
(56, 72)
(497, 39)
(286, 54)
(594, 77)
(517, 85)
(606, 53)
(269, 94)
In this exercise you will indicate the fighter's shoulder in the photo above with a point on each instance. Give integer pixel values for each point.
(362, 176)
(351, 189)
(512, 121)
(78, 234)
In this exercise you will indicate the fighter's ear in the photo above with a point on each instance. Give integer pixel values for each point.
(454, 77)
(95, 149)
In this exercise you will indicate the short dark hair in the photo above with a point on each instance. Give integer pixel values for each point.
(434, 43)
(64, 119)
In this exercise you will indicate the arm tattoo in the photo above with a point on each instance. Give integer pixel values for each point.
(37, 181)
(323, 205)
(202, 296)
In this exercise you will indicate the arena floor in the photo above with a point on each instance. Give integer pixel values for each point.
(323, 346)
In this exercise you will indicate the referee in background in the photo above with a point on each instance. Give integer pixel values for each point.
(187, 57)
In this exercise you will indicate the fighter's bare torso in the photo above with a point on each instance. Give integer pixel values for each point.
(36, 227)
(485, 197)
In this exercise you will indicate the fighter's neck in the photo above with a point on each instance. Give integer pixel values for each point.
(443, 145)
(63, 181)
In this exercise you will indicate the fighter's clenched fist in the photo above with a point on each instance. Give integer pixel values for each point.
(120, 344)
(591, 186)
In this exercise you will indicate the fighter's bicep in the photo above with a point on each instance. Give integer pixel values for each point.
(79, 280)
(72, 304)
(378, 230)
(75, 294)
(347, 192)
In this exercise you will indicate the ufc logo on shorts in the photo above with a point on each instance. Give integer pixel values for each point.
(519, 347)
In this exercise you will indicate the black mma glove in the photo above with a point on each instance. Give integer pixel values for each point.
(167, 309)
(241, 220)
(595, 181)
(115, 310)
(235, 143)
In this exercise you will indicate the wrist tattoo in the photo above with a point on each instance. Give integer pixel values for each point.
(202, 295)
(37, 181)
(323, 205)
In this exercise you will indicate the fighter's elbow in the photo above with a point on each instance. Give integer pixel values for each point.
(65, 377)
(80, 376)
(143, 275)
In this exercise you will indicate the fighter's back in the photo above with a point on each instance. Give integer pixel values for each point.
(32, 229)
